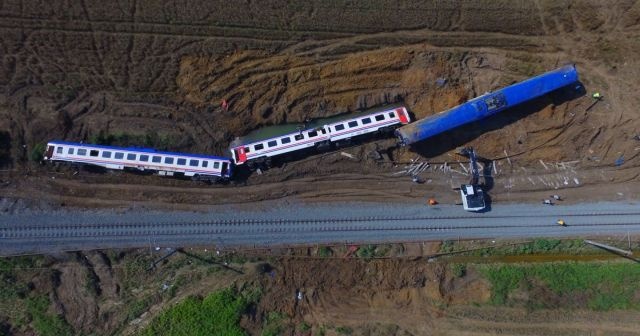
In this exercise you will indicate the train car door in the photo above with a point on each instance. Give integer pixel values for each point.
(49, 152)
(241, 155)
(225, 167)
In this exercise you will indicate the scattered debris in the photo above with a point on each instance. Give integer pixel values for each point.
(375, 155)
(416, 179)
(507, 156)
(351, 156)
(547, 202)
(557, 197)
(619, 160)
(544, 165)
(610, 248)
(432, 201)
(463, 167)
(259, 171)
(440, 82)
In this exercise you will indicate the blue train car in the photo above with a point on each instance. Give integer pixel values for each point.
(487, 105)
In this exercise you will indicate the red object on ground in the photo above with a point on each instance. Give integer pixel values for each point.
(224, 104)
(432, 201)
(351, 250)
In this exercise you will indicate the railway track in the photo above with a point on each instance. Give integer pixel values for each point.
(36, 234)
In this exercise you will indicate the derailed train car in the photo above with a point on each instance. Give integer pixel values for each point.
(199, 167)
(257, 149)
(487, 105)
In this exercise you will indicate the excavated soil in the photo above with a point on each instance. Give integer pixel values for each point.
(158, 72)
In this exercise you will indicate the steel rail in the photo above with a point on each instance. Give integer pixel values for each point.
(236, 222)
(39, 234)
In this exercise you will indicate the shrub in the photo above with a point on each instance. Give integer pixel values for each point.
(37, 152)
(459, 270)
(344, 330)
(367, 251)
(324, 252)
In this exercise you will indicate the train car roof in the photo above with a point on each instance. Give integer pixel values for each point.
(138, 150)
(277, 131)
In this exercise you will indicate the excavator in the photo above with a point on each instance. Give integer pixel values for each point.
(472, 195)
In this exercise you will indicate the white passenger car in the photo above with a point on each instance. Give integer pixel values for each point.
(164, 163)
(259, 146)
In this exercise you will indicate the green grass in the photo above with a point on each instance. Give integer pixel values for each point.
(606, 285)
(217, 314)
(10, 286)
(304, 326)
(273, 324)
(45, 323)
(538, 246)
(372, 251)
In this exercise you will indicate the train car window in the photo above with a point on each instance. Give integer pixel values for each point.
(131, 156)
(247, 149)
(144, 158)
(353, 124)
(272, 143)
(106, 154)
(168, 160)
(205, 163)
(156, 159)
(259, 147)
(94, 152)
(392, 114)
(59, 150)
(298, 137)
(285, 140)
(216, 165)
(70, 151)
(312, 134)
(366, 121)
(82, 151)
(119, 155)
(380, 117)
(323, 131)
(182, 162)
(339, 127)
(193, 163)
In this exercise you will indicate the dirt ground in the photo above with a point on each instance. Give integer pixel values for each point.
(115, 292)
(157, 71)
